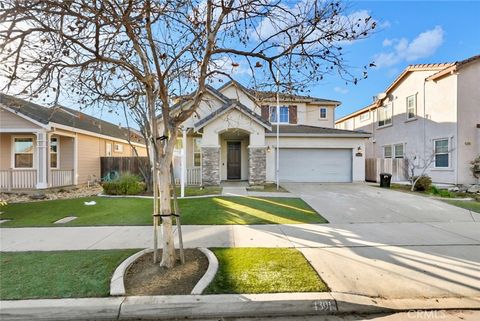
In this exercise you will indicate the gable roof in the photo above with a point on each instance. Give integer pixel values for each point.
(259, 95)
(306, 130)
(228, 106)
(442, 69)
(68, 117)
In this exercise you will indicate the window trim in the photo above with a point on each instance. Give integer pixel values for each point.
(320, 113)
(389, 105)
(447, 153)
(278, 117)
(196, 152)
(414, 107)
(57, 152)
(391, 151)
(34, 154)
(394, 150)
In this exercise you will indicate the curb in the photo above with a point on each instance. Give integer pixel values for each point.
(117, 285)
(212, 269)
(223, 305)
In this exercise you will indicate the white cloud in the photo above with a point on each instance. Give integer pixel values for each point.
(423, 46)
(341, 90)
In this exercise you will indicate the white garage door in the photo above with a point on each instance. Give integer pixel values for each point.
(315, 165)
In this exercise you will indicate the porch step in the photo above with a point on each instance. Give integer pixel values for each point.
(234, 191)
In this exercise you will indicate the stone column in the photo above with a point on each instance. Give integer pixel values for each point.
(210, 166)
(42, 166)
(257, 165)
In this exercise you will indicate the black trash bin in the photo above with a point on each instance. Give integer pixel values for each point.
(385, 179)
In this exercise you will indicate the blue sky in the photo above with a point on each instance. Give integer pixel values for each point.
(410, 32)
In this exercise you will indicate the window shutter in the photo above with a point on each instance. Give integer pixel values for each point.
(265, 112)
(292, 114)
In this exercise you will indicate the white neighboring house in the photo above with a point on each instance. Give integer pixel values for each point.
(429, 110)
(232, 136)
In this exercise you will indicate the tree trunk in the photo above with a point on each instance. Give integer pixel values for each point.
(168, 248)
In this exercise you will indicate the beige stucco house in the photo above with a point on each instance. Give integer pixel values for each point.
(429, 111)
(232, 136)
(44, 147)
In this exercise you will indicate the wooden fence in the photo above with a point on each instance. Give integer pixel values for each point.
(121, 165)
(398, 167)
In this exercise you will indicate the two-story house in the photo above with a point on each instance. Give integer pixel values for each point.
(232, 136)
(430, 114)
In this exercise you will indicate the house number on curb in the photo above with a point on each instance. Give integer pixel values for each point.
(323, 306)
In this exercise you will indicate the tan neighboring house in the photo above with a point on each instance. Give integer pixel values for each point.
(233, 137)
(430, 110)
(44, 147)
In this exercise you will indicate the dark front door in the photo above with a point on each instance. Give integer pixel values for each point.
(233, 160)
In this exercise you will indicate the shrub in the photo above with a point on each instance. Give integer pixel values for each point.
(126, 184)
(440, 192)
(423, 183)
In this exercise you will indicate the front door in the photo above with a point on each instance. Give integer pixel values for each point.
(234, 160)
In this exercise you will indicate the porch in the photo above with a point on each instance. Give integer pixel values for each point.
(36, 160)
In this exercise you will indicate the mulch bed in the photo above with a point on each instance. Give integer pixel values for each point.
(146, 278)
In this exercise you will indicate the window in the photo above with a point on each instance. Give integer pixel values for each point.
(109, 149)
(118, 148)
(197, 155)
(365, 116)
(385, 115)
(411, 106)
(387, 151)
(53, 152)
(283, 114)
(441, 153)
(398, 149)
(323, 113)
(179, 143)
(23, 152)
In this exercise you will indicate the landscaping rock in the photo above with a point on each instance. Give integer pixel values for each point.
(475, 188)
(38, 196)
(64, 193)
(454, 189)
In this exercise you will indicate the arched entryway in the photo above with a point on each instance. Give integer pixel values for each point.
(234, 144)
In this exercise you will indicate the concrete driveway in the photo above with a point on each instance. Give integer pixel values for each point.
(363, 203)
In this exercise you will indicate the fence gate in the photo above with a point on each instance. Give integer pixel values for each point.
(398, 167)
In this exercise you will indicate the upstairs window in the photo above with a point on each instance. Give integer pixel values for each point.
(411, 106)
(385, 115)
(283, 115)
(365, 116)
(442, 158)
(323, 113)
(23, 152)
(53, 152)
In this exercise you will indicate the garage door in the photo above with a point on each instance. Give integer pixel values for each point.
(315, 165)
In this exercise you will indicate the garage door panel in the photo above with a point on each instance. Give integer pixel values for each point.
(315, 165)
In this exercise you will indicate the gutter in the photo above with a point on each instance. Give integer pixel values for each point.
(366, 135)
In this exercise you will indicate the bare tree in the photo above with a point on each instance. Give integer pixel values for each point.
(102, 53)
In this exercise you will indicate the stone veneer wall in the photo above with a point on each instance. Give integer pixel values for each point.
(210, 166)
(257, 165)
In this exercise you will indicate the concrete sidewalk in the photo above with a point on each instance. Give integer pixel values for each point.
(288, 235)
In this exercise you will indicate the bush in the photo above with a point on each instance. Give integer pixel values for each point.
(126, 184)
(423, 183)
(440, 192)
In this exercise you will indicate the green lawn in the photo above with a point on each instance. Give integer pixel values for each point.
(261, 270)
(137, 211)
(63, 274)
(469, 205)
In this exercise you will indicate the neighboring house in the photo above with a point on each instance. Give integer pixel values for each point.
(50, 147)
(430, 110)
(232, 136)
